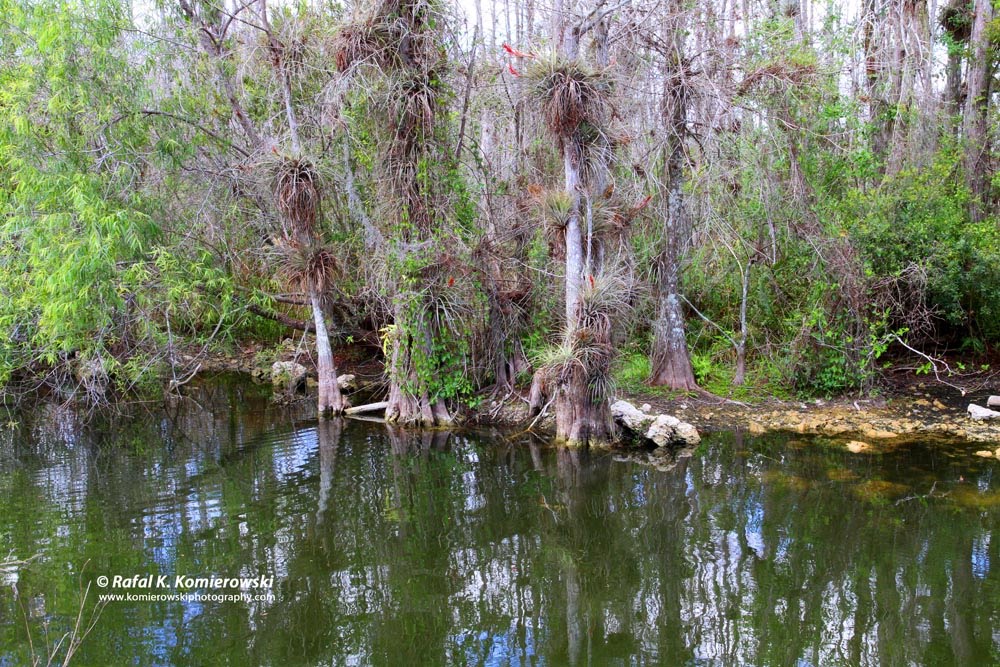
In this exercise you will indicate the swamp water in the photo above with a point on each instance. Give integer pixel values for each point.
(395, 549)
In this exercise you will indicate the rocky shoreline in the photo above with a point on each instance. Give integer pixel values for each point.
(868, 425)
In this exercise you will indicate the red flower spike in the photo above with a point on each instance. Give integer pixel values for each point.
(514, 52)
(512, 70)
(644, 203)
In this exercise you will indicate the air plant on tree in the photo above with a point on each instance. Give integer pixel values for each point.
(574, 101)
(306, 263)
(394, 47)
(574, 98)
(576, 373)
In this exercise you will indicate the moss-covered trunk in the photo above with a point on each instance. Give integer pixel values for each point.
(410, 399)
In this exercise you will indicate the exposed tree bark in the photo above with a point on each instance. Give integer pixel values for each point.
(976, 108)
(671, 363)
(953, 23)
(953, 85)
(581, 418)
(574, 234)
(330, 401)
(741, 344)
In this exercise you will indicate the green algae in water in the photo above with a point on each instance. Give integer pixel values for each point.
(879, 490)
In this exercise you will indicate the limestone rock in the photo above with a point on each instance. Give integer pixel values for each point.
(347, 382)
(688, 434)
(858, 447)
(660, 429)
(630, 417)
(985, 453)
(666, 430)
(993, 402)
(288, 374)
(877, 434)
(645, 407)
(978, 412)
(756, 428)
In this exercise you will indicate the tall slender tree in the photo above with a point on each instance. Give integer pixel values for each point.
(574, 97)
(976, 121)
(671, 363)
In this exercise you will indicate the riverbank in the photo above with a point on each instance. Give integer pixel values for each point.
(868, 424)
(911, 406)
(882, 422)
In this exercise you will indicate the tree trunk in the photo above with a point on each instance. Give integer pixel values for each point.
(330, 401)
(671, 363)
(875, 83)
(574, 235)
(953, 94)
(953, 88)
(670, 360)
(580, 419)
(410, 402)
(741, 345)
(976, 108)
(741, 366)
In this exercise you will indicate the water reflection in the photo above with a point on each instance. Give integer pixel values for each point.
(398, 548)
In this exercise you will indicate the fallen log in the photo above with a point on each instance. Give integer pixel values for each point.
(370, 407)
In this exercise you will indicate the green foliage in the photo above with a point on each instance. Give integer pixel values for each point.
(114, 246)
(916, 224)
(74, 229)
(631, 371)
(702, 366)
(438, 366)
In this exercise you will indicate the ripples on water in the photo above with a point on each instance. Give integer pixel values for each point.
(402, 549)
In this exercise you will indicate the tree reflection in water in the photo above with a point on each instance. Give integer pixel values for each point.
(399, 547)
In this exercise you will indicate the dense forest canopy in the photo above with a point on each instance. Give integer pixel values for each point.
(737, 196)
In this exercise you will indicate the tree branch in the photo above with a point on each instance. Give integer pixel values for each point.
(291, 322)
